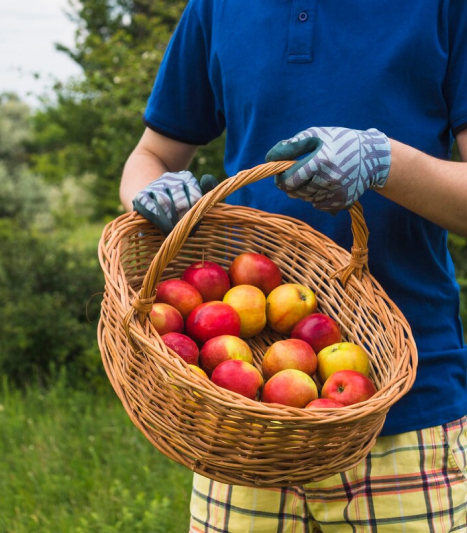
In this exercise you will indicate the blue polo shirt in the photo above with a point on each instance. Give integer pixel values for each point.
(265, 69)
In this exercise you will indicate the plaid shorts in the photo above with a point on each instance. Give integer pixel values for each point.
(412, 482)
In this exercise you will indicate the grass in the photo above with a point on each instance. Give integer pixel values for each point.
(72, 462)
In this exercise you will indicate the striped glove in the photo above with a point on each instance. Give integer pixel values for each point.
(342, 164)
(164, 201)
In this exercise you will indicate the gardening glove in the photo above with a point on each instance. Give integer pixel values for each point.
(342, 164)
(164, 201)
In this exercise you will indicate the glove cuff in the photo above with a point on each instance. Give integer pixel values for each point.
(379, 158)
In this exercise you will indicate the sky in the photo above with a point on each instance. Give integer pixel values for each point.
(28, 31)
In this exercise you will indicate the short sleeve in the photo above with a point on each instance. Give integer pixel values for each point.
(182, 104)
(455, 87)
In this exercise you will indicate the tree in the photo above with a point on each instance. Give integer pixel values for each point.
(46, 280)
(94, 121)
(15, 132)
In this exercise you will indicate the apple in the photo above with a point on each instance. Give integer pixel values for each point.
(209, 278)
(219, 349)
(318, 330)
(290, 387)
(342, 356)
(255, 269)
(289, 353)
(211, 319)
(250, 304)
(179, 294)
(166, 319)
(288, 304)
(183, 346)
(323, 403)
(238, 376)
(199, 371)
(348, 387)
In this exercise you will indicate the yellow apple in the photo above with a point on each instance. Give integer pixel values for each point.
(342, 356)
(250, 304)
(287, 304)
(197, 370)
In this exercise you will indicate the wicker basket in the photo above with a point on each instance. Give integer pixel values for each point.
(219, 434)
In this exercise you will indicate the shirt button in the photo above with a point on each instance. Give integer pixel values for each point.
(303, 16)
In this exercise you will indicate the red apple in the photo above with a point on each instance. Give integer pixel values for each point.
(238, 376)
(219, 349)
(348, 387)
(323, 403)
(290, 387)
(288, 304)
(212, 319)
(257, 270)
(179, 294)
(341, 356)
(166, 319)
(209, 278)
(289, 353)
(183, 346)
(318, 330)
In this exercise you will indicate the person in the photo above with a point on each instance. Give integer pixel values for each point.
(371, 96)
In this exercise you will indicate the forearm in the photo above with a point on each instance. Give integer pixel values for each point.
(140, 170)
(432, 188)
(153, 156)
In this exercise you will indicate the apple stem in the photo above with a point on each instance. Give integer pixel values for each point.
(202, 258)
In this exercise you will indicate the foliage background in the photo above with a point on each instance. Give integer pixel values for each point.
(60, 167)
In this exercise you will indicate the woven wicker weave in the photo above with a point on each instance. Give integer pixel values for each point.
(219, 434)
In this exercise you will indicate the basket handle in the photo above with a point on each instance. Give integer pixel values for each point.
(175, 240)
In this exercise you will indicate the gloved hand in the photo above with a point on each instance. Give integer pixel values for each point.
(164, 201)
(342, 164)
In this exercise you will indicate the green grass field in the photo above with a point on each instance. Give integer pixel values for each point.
(71, 462)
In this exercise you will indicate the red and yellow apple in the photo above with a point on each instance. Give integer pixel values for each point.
(255, 269)
(209, 278)
(341, 356)
(348, 387)
(166, 319)
(183, 346)
(287, 304)
(219, 349)
(212, 319)
(179, 294)
(318, 330)
(321, 403)
(289, 353)
(250, 304)
(238, 376)
(290, 387)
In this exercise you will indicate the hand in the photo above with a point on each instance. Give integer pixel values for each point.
(342, 165)
(164, 201)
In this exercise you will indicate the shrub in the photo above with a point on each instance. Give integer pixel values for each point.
(45, 319)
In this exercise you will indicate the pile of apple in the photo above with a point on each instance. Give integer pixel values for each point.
(205, 316)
